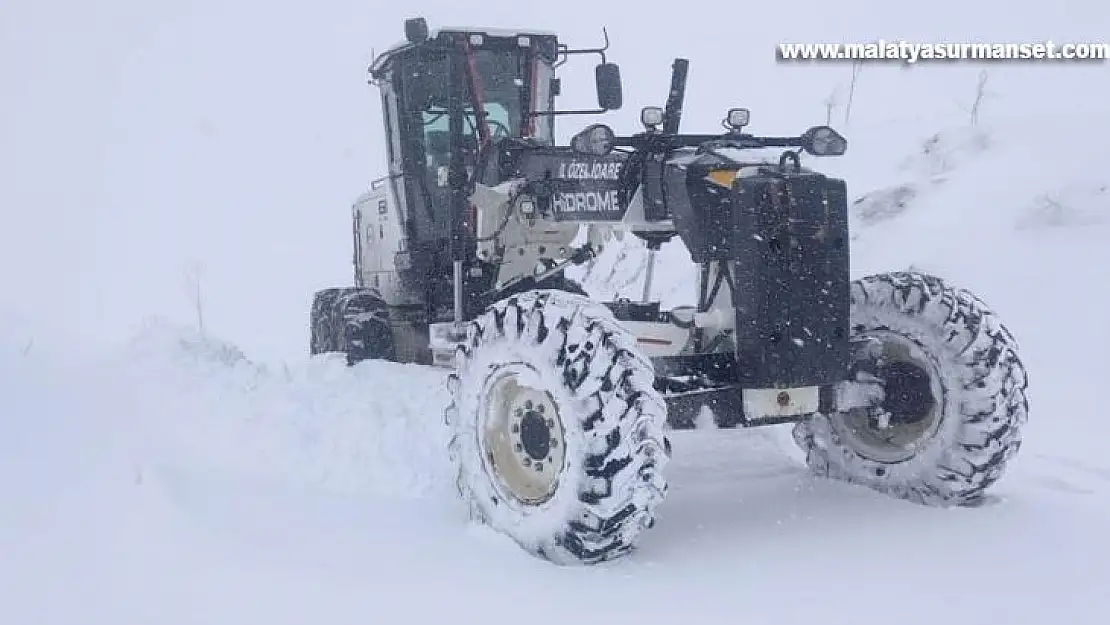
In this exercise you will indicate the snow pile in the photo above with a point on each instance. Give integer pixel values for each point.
(374, 428)
(176, 398)
(619, 272)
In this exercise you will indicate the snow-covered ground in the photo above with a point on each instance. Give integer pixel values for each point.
(174, 479)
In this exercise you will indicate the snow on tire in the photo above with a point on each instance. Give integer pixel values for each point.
(322, 337)
(557, 430)
(351, 320)
(954, 395)
(362, 323)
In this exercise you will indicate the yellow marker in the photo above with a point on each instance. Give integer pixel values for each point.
(722, 177)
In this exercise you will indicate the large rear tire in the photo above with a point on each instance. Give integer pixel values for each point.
(353, 321)
(557, 431)
(322, 338)
(953, 402)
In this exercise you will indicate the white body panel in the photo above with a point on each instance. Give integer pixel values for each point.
(516, 238)
(765, 403)
(654, 339)
(378, 240)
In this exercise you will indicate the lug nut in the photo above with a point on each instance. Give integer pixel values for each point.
(554, 443)
(528, 405)
(527, 461)
(519, 413)
(550, 423)
(518, 448)
(539, 466)
(515, 428)
(539, 408)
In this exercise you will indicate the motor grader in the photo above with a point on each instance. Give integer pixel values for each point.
(561, 406)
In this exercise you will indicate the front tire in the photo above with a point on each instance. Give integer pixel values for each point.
(557, 431)
(954, 395)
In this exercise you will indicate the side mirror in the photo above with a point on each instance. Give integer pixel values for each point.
(609, 94)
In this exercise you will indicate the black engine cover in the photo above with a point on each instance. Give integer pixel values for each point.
(787, 235)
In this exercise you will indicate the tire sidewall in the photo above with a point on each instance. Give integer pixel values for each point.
(532, 525)
(983, 393)
(617, 423)
(322, 325)
(885, 317)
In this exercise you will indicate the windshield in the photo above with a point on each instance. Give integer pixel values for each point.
(501, 79)
(437, 136)
(506, 82)
(436, 123)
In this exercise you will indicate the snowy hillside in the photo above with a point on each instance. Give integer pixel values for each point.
(154, 474)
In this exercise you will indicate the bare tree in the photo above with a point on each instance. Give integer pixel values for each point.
(980, 93)
(830, 103)
(857, 67)
(193, 288)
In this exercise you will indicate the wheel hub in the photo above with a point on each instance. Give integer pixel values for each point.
(907, 395)
(535, 435)
(911, 410)
(522, 438)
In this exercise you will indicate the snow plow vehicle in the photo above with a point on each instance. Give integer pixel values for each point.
(561, 405)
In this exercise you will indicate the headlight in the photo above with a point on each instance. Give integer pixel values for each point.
(738, 118)
(651, 116)
(596, 139)
(824, 141)
(527, 206)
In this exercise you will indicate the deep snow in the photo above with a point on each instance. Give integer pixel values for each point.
(172, 478)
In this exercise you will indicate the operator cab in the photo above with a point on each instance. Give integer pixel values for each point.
(451, 99)
(500, 80)
(447, 96)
